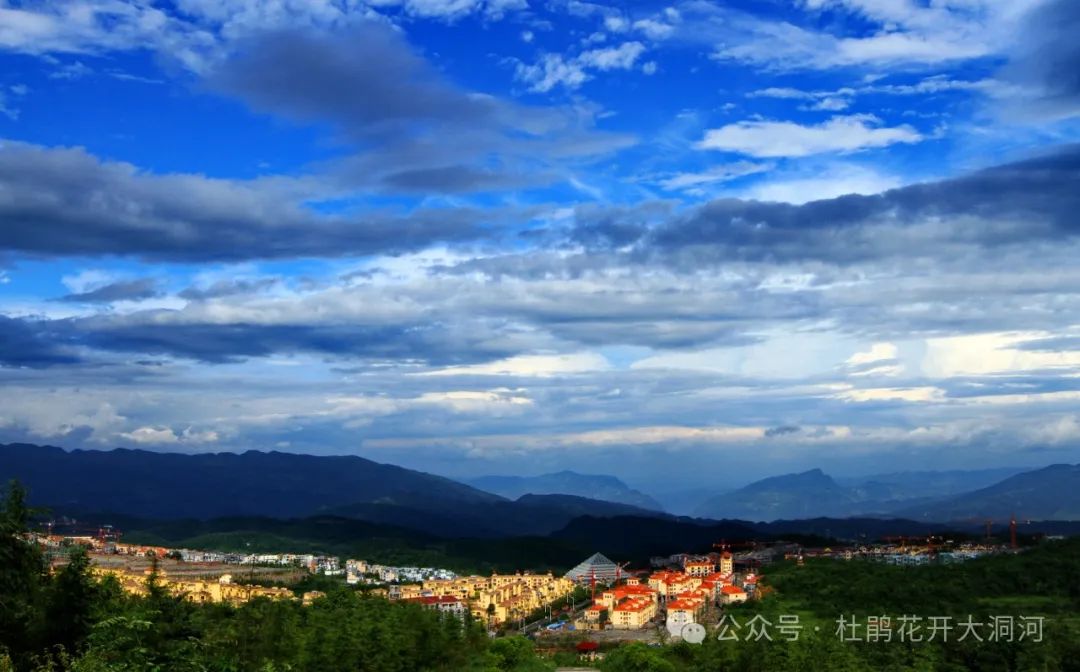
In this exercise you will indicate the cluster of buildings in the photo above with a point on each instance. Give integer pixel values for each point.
(495, 599)
(100, 544)
(359, 571)
(196, 590)
(316, 564)
(679, 595)
(904, 554)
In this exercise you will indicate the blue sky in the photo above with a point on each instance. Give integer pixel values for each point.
(690, 242)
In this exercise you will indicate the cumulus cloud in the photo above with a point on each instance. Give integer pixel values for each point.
(767, 139)
(165, 436)
(554, 70)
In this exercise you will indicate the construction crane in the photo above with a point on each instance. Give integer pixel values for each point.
(618, 570)
(1013, 525)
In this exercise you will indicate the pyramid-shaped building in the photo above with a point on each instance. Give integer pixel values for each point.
(596, 565)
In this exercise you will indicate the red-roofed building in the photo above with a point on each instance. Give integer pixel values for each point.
(668, 584)
(732, 594)
(444, 603)
(633, 613)
(684, 609)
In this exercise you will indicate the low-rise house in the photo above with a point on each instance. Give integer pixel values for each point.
(732, 595)
(700, 568)
(443, 603)
(633, 613)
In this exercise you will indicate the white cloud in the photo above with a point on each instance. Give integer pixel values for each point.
(616, 24)
(551, 71)
(555, 70)
(829, 182)
(779, 355)
(788, 139)
(909, 394)
(721, 173)
(88, 279)
(57, 412)
(830, 105)
(992, 353)
(360, 410)
(530, 365)
(164, 436)
(621, 57)
(781, 92)
(151, 435)
(653, 29)
(474, 401)
(876, 353)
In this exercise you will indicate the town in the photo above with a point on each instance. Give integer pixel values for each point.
(598, 596)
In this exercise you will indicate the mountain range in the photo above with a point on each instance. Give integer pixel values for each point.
(173, 486)
(805, 495)
(593, 486)
(1051, 493)
(281, 485)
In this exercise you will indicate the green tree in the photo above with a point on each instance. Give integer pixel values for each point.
(72, 603)
(637, 657)
(22, 578)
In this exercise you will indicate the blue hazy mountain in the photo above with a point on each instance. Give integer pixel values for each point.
(809, 494)
(591, 486)
(1042, 494)
(1051, 493)
(910, 485)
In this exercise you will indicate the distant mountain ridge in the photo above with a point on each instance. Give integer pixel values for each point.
(808, 494)
(529, 515)
(911, 485)
(172, 486)
(592, 486)
(1051, 493)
